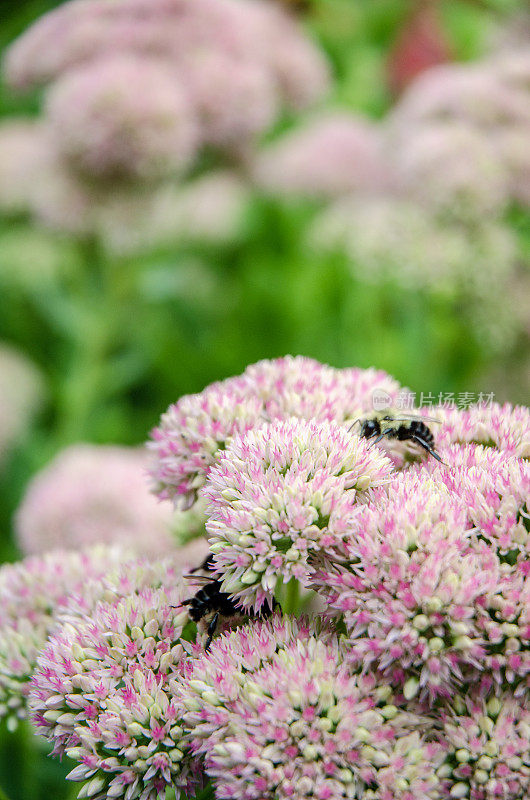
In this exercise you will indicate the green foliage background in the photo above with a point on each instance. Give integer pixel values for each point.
(118, 341)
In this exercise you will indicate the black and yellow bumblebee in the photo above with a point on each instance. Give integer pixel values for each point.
(210, 601)
(412, 429)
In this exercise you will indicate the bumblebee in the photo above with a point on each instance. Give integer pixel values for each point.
(211, 600)
(412, 429)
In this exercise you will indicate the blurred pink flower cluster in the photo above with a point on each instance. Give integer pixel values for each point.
(410, 681)
(22, 392)
(419, 199)
(93, 494)
(136, 91)
(453, 143)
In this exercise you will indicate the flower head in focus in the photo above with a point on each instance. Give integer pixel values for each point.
(494, 486)
(296, 387)
(302, 725)
(506, 427)
(488, 751)
(198, 428)
(93, 494)
(192, 431)
(32, 594)
(279, 495)
(210, 681)
(101, 694)
(304, 388)
(411, 588)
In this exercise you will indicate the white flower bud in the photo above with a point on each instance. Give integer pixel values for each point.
(137, 634)
(310, 752)
(151, 628)
(411, 688)
(211, 697)
(249, 577)
(363, 734)
(486, 724)
(494, 706)
(436, 644)
(380, 758)
(67, 719)
(94, 786)
(459, 790)
(485, 762)
(491, 748)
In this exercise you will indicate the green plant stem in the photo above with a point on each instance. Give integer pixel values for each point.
(289, 597)
(96, 329)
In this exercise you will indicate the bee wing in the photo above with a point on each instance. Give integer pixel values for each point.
(199, 578)
(414, 419)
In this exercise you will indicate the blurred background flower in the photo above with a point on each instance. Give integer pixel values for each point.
(90, 495)
(21, 395)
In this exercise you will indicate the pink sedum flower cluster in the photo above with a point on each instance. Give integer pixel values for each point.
(33, 593)
(191, 433)
(488, 748)
(506, 427)
(329, 156)
(195, 430)
(413, 591)
(301, 725)
(101, 693)
(121, 119)
(408, 680)
(278, 496)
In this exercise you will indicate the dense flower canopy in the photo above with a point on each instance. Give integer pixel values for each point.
(301, 725)
(407, 678)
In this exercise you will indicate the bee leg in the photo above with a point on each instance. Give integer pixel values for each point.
(211, 630)
(382, 435)
(427, 447)
(184, 603)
